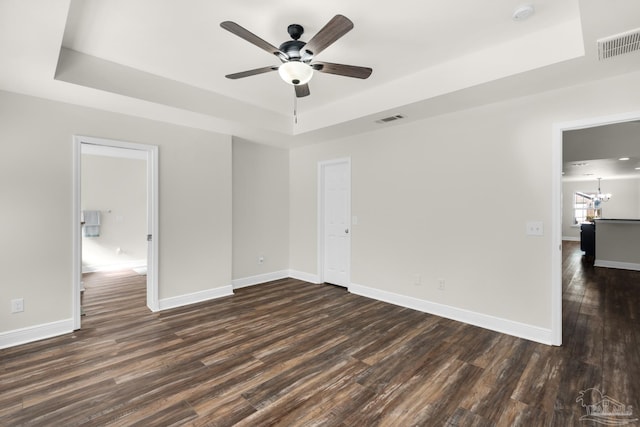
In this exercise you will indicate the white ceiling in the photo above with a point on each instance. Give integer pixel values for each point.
(607, 169)
(166, 60)
(183, 41)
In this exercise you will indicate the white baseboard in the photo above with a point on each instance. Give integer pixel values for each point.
(260, 278)
(35, 333)
(571, 239)
(305, 277)
(182, 300)
(128, 265)
(617, 264)
(276, 275)
(509, 327)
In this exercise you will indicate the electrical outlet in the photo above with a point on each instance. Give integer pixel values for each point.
(535, 228)
(441, 285)
(17, 305)
(261, 259)
(417, 280)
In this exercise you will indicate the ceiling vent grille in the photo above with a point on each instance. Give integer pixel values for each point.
(620, 44)
(390, 118)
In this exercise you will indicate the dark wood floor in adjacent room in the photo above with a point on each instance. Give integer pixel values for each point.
(295, 354)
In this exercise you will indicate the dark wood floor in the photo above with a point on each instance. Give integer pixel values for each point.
(295, 354)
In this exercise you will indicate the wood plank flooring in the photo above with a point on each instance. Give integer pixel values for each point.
(290, 353)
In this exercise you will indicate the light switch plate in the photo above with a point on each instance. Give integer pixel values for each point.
(535, 228)
(17, 305)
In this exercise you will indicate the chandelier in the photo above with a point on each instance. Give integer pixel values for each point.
(600, 197)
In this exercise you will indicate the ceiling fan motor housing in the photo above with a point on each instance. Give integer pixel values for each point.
(292, 48)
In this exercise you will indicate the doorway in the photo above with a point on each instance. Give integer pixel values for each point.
(149, 153)
(556, 207)
(334, 222)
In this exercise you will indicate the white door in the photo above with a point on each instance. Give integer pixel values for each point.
(335, 220)
(152, 228)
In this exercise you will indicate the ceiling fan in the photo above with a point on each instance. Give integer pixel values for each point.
(298, 57)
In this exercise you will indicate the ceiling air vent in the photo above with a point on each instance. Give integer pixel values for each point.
(390, 118)
(619, 44)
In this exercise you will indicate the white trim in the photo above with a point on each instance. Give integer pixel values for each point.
(201, 296)
(305, 277)
(152, 218)
(76, 238)
(320, 216)
(556, 207)
(617, 264)
(521, 330)
(555, 301)
(259, 279)
(35, 333)
(103, 150)
(129, 265)
(153, 211)
(571, 239)
(599, 121)
(113, 143)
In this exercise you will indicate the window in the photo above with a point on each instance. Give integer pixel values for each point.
(584, 207)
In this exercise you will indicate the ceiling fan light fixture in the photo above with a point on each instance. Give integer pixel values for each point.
(295, 72)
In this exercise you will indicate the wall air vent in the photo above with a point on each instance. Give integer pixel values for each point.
(390, 118)
(619, 44)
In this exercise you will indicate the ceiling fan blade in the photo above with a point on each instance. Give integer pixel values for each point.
(252, 38)
(251, 72)
(337, 27)
(302, 90)
(343, 70)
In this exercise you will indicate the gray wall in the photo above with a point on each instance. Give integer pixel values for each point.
(446, 197)
(36, 192)
(449, 197)
(260, 209)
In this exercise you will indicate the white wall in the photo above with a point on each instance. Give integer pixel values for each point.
(36, 192)
(624, 202)
(448, 198)
(260, 209)
(117, 187)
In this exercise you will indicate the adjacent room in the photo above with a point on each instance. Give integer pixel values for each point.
(275, 213)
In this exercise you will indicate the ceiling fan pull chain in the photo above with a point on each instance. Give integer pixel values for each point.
(295, 109)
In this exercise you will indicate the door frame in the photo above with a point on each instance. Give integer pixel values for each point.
(556, 208)
(321, 205)
(152, 219)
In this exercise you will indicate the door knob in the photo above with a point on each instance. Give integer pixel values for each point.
(346, 230)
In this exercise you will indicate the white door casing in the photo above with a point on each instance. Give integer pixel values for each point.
(334, 219)
(152, 219)
(556, 209)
